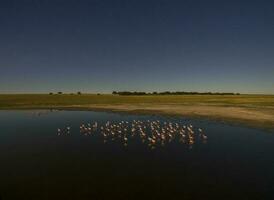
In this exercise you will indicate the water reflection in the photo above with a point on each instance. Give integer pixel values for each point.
(39, 113)
(153, 133)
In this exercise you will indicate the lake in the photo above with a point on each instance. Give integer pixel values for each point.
(101, 155)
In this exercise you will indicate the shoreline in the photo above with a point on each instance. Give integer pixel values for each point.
(250, 110)
(250, 117)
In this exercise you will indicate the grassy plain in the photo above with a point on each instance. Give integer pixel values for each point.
(256, 110)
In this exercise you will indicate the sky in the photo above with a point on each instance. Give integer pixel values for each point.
(136, 45)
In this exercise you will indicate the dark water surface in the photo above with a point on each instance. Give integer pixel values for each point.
(36, 163)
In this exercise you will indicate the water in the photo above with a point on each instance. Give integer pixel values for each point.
(36, 163)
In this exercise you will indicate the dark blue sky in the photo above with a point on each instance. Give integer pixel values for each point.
(149, 45)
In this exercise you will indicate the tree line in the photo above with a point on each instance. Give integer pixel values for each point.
(172, 93)
(78, 93)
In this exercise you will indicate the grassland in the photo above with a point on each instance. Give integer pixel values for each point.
(255, 110)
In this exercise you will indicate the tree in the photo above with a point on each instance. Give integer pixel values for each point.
(60, 92)
(79, 93)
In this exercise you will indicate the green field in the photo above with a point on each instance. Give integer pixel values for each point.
(45, 100)
(250, 109)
